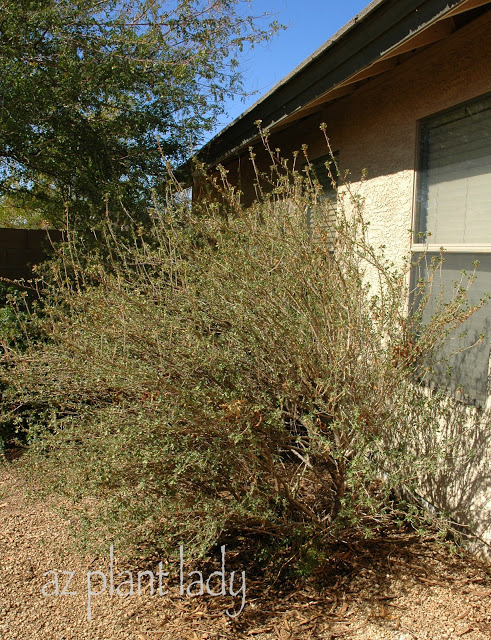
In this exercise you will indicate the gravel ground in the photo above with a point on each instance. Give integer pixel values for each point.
(398, 589)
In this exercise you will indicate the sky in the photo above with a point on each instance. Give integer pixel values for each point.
(309, 24)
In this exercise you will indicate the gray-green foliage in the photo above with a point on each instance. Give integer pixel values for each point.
(15, 307)
(233, 370)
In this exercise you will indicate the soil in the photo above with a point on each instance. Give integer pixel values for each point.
(399, 587)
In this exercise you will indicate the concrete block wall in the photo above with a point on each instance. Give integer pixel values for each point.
(22, 248)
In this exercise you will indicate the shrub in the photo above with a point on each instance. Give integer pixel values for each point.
(15, 309)
(233, 369)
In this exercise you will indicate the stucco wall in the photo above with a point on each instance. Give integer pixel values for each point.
(375, 128)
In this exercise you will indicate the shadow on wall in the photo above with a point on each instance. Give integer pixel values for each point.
(461, 488)
(20, 249)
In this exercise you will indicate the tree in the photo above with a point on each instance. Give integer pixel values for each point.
(21, 213)
(97, 95)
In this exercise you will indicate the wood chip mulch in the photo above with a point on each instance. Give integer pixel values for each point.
(399, 588)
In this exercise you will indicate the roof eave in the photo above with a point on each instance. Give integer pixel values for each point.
(382, 25)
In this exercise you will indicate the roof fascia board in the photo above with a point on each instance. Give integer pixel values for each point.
(382, 26)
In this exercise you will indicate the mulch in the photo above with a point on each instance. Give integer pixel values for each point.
(398, 587)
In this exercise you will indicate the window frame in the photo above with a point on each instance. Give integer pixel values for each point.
(421, 245)
(418, 244)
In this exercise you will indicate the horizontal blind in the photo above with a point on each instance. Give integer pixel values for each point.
(464, 374)
(323, 220)
(454, 193)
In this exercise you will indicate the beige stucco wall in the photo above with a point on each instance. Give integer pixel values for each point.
(375, 128)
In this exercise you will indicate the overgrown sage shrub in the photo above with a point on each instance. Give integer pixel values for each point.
(233, 369)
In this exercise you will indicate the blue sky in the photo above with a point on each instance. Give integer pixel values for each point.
(309, 24)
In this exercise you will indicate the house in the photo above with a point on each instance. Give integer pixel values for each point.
(405, 91)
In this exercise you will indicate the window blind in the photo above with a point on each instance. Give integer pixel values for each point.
(454, 206)
(324, 219)
(454, 193)
(464, 374)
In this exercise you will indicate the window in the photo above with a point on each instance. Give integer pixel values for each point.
(453, 211)
(323, 168)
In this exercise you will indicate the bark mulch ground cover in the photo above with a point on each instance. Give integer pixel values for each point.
(400, 587)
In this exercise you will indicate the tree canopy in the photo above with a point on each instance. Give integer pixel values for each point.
(97, 95)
